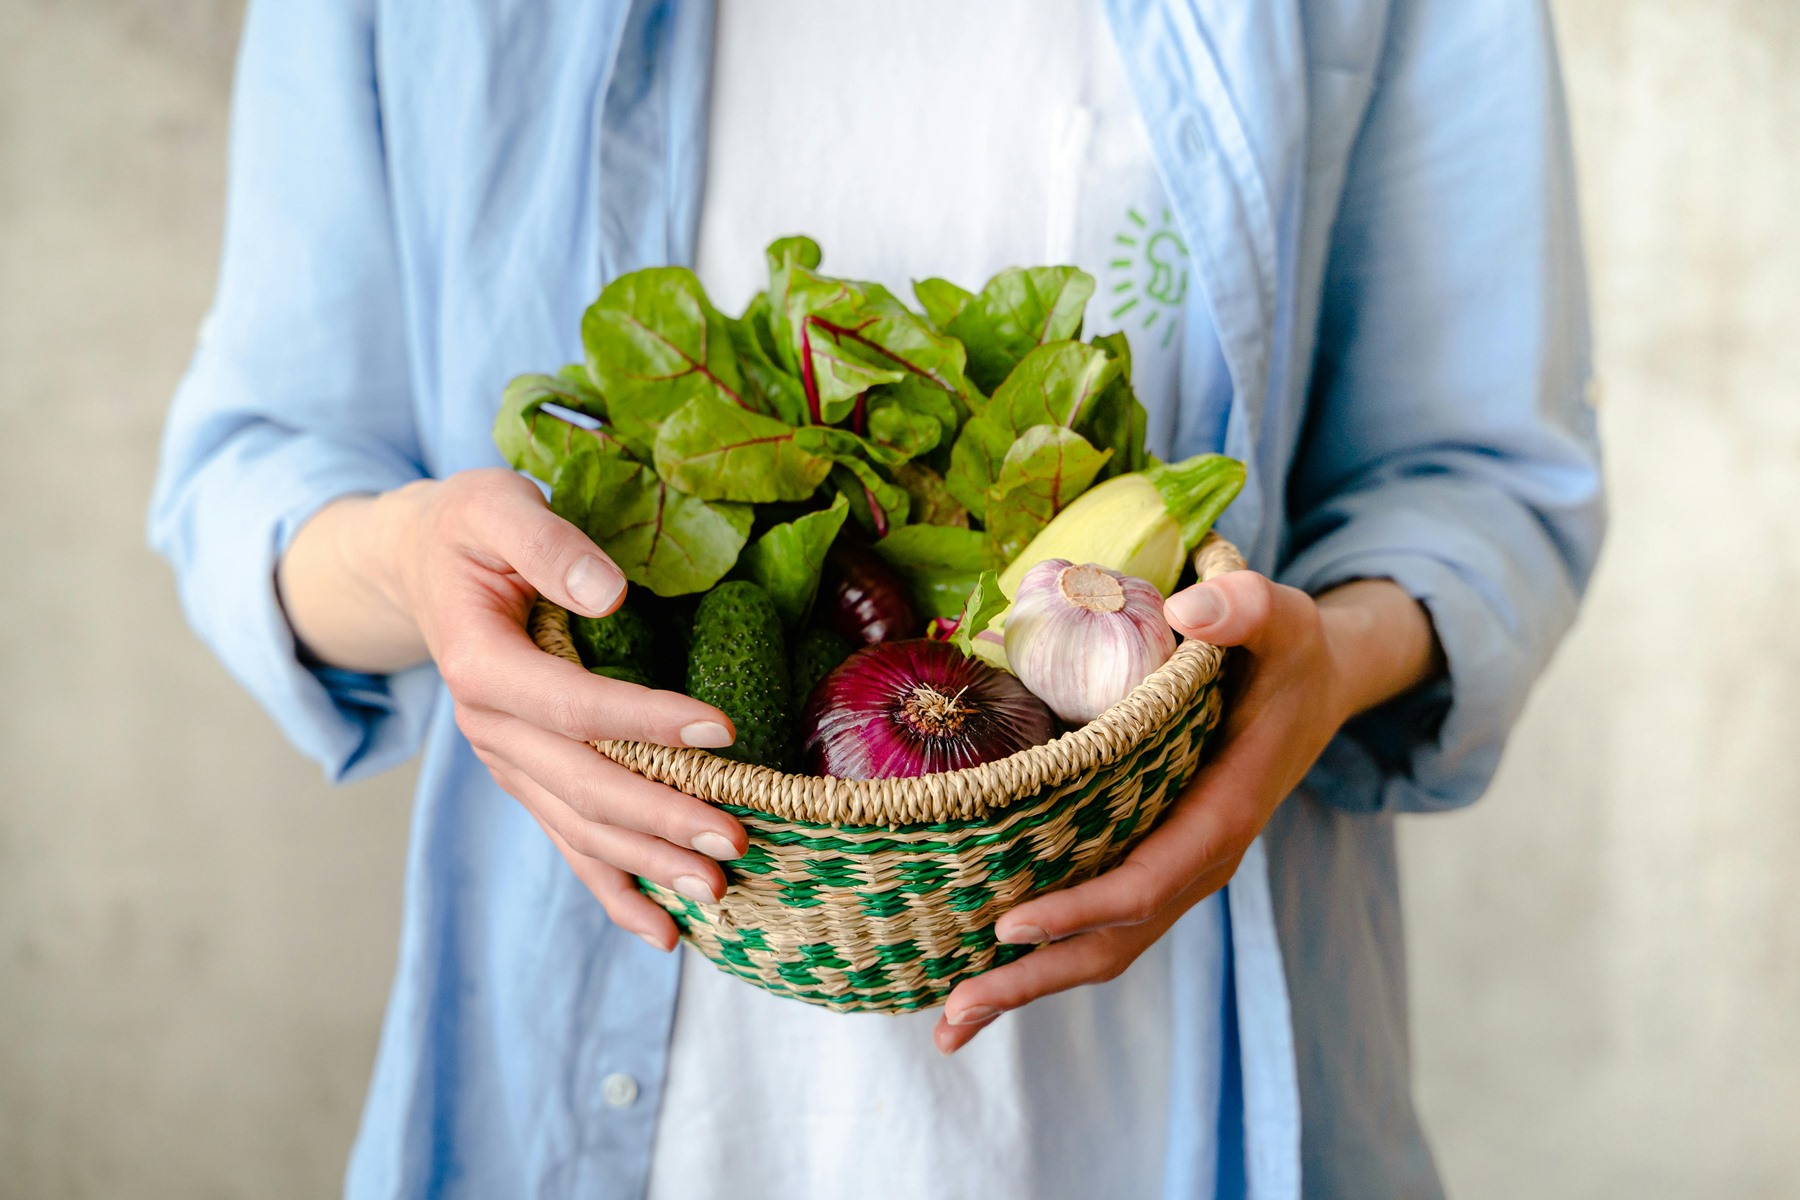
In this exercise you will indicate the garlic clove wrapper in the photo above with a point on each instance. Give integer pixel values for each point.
(1082, 637)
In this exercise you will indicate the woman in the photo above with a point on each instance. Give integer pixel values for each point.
(1356, 226)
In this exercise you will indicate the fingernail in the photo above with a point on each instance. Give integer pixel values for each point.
(593, 585)
(715, 845)
(1024, 935)
(1195, 607)
(706, 735)
(653, 943)
(972, 1016)
(696, 888)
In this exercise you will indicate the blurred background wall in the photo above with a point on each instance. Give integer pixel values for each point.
(196, 934)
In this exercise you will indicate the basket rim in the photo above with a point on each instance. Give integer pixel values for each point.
(971, 794)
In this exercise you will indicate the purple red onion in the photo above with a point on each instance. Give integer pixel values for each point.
(917, 707)
(863, 600)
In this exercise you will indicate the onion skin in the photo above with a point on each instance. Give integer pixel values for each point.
(917, 707)
(864, 600)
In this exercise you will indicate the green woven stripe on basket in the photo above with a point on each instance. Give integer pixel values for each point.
(881, 895)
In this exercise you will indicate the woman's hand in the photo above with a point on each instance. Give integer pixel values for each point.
(1305, 667)
(449, 569)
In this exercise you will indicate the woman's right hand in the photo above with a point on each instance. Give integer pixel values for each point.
(456, 564)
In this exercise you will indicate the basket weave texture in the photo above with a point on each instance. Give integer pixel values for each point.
(881, 895)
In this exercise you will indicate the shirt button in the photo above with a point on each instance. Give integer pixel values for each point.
(619, 1090)
(1188, 138)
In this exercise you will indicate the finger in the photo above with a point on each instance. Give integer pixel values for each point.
(682, 871)
(618, 894)
(494, 665)
(512, 523)
(950, 1038)
(1125, 896)
(600, 790)
(1241, 608)
(1089, 958)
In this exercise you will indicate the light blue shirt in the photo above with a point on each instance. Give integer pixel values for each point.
(1378, 199)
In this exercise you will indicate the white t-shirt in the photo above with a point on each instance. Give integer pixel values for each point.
(950, 138)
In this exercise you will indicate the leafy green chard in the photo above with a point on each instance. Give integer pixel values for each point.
(789, 559)
(1116, 421)
(536, 442)
(653, 343)
(1046, 468)
(940, 562)
(878, 504)
(660, 537)
(717, 450)
(932, 503)
(941, 300)
(984, 602)
(1019, 309)
(767, 387)
(948, 437)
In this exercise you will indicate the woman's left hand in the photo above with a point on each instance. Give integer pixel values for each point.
(1306, 666)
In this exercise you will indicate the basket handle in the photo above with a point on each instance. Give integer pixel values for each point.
(1215, 557)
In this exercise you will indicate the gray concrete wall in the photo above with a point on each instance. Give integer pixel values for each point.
(196, 934)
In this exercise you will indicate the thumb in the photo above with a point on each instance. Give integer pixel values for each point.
(549, 553)
(1236, 609)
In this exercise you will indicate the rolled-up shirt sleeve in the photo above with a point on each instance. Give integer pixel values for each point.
(1451, 446)
(298, 391)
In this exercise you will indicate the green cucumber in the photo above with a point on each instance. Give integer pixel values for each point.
(621, 645)
(738, 664)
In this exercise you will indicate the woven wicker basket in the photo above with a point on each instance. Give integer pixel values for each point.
(881, 895)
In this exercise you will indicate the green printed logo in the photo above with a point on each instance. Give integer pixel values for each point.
(1150, 273)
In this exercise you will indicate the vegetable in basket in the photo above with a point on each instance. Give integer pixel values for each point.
(1144, 524)
(1081, 637)
(865, 600)
(738, 664)
(833, 459)
(619, 646)
(917, 707)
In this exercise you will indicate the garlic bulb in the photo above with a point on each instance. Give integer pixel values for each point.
(1081, 637)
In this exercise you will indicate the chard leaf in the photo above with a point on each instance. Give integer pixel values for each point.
(843, 338)
(662, 539)
(1116, 421)
(948, 409)
(1057, 384)
(830, 345)
(932, 503)
(941, 300)
(654, 343)
(840, 445)
(900, 428)
(985, 601)
(975, 463)
(713, 449)
(877, 505)
(939, 563)
(788, 560)
(795, 248)
(581, 388)
(768, 388)
(1042, 472)
(784, 256)
(1021, 307)
(538, 443)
